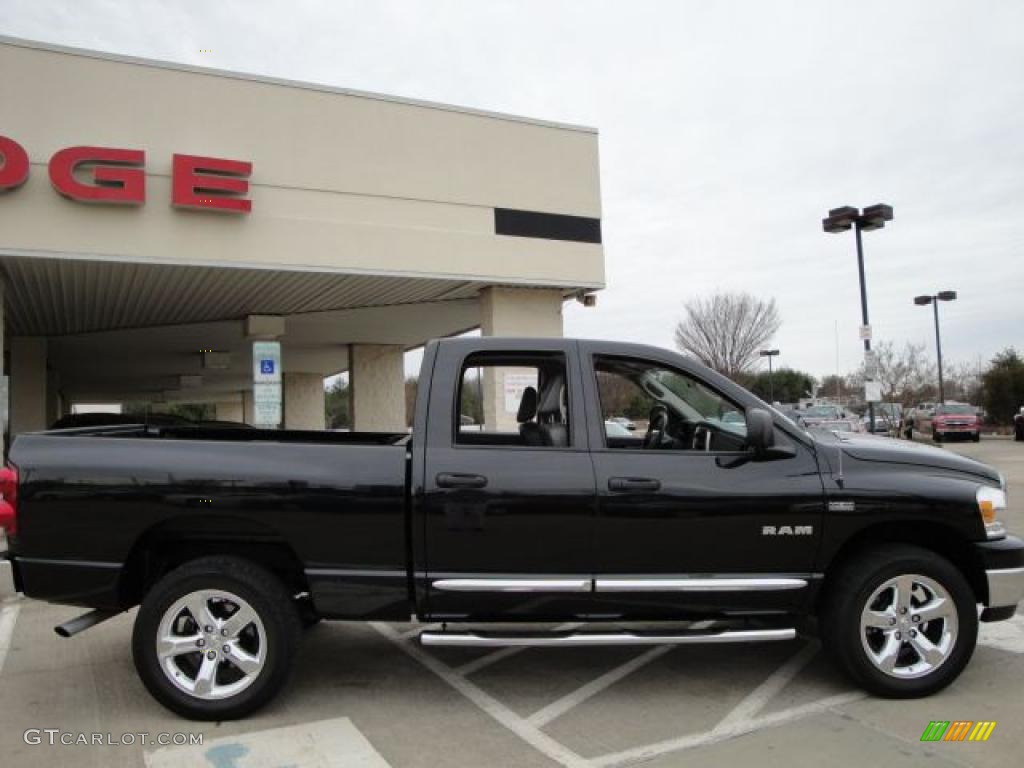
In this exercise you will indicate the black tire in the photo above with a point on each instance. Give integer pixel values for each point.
(937, 437)
(270, 601)
(976, 437)
(847, 594)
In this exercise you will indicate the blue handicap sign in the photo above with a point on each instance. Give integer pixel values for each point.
(267, 367)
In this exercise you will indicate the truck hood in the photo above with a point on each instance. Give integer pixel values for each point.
(866, 447)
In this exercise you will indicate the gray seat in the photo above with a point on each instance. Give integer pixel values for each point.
(553, 429)
(529, 429)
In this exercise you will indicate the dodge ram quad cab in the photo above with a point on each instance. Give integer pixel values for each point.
(510, 504)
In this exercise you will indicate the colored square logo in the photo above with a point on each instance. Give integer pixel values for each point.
(267, 367)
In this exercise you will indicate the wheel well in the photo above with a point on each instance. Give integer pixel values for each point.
(937, 538)
(166, 546)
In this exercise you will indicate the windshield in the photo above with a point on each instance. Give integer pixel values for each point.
(957, 409)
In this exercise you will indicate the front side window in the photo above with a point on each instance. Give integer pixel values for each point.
(514, 400)
(667, 408)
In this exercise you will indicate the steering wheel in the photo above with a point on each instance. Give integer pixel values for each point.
(657, 423)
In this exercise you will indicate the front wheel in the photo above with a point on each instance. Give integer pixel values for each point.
(901, 621)
(215, 638)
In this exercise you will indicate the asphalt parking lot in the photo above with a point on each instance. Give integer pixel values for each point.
(369, 696)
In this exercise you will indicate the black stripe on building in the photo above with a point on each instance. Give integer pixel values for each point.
(548, 226)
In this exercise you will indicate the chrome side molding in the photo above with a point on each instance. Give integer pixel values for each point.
(699, 585)
(584, 639)
(622, 584)
(513, 585)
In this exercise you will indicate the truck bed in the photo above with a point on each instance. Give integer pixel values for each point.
(333, 501)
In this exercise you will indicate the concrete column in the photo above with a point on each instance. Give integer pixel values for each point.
(305, 405)
(514, 312)
(230, 411)
(28, 398)
(520, 312)
(248, 407)
(377, 387)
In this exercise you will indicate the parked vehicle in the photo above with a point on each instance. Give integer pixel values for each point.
(830, 417)
(955, 420)
(1018, 425)
(626, 423)
(229, 540)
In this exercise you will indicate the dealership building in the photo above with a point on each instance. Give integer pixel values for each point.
(158, 219)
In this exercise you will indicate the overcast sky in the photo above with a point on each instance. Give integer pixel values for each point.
(726, 132)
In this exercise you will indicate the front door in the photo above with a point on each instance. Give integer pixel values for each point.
(508, 498)
(687, 522)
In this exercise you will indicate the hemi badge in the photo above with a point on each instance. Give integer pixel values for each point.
(842, 506)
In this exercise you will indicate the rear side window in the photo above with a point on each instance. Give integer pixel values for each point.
(513, 399)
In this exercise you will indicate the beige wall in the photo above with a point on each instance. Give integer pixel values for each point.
(363, 184)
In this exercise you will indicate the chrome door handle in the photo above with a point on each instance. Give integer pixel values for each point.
(644, 484)
(460, 480)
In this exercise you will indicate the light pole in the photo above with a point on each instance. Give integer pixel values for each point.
(872, 217)
(923, 301)
(770, 353)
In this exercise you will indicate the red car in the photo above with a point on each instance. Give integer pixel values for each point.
(955, 420)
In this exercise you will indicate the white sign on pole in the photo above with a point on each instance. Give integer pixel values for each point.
(870, 364)
(266, 383)
(865, 333)
(873, 391)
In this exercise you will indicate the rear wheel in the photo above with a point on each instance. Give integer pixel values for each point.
(976, 437)
(901, 621)
(215, 638)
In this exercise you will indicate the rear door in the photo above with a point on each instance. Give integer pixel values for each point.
(688, 523)
(508, 498)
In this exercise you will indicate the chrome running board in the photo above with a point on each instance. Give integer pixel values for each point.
(583, 639)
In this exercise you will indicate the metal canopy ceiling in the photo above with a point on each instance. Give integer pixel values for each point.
(55, 297)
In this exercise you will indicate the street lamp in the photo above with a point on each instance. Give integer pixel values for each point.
(871, 218)
(923, 301)
(770, 353)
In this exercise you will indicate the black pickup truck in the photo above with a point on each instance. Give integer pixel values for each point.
(516, 499)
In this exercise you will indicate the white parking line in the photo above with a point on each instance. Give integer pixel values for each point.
(334, 743)
(8, 618)
(495, 656)
(488, 704)
(559, 707)
(755, 701)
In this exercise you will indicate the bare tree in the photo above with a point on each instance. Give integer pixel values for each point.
(726, 331)
(907, 375)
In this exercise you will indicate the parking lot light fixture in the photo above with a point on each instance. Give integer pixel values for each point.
(934, 299)
(871, 218)
(770, 353)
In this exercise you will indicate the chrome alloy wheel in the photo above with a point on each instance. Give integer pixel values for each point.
(909, 626)
(211, 644)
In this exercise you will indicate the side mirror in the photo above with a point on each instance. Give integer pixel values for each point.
(760, 432)
(761, 437)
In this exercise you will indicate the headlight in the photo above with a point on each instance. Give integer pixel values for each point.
(992, 501)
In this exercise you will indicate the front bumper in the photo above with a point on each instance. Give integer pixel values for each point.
(1003, 561)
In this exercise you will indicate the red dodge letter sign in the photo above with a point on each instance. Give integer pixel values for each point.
(114, 184)
(13, 164)
(198, 180)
